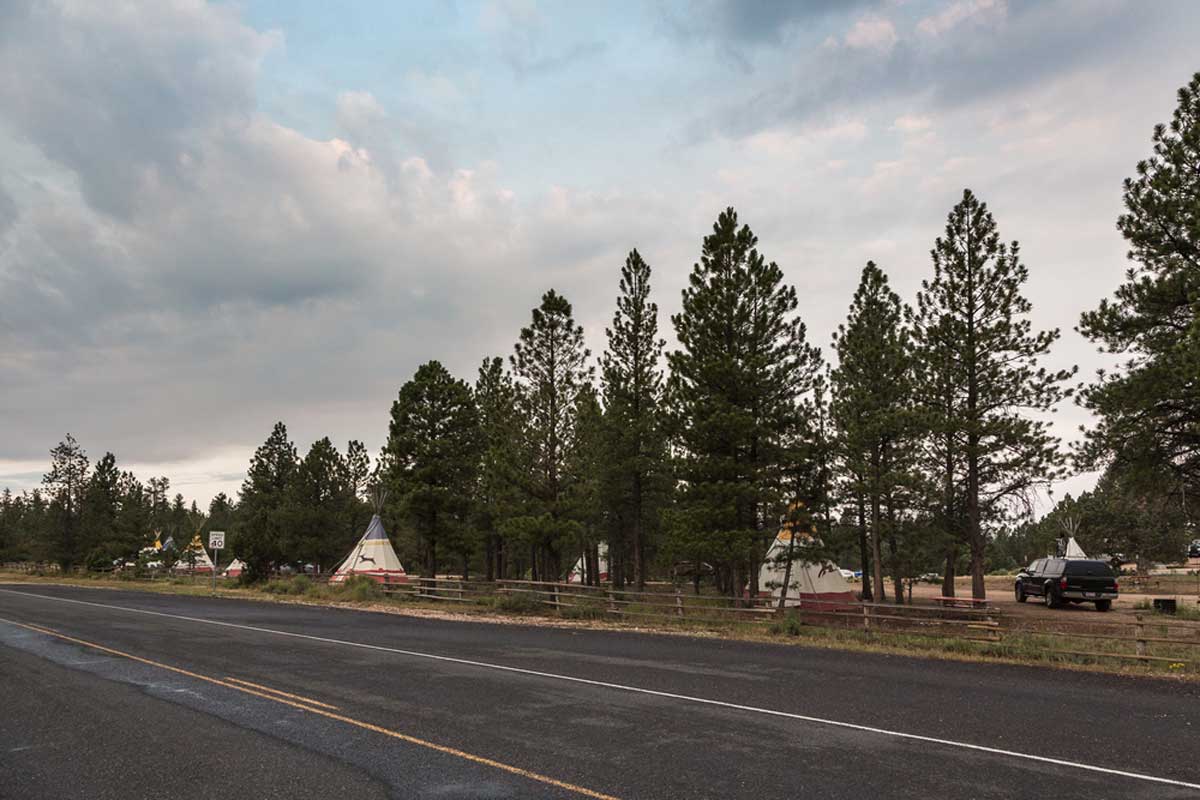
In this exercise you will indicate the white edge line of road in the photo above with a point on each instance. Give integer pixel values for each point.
(638, 690)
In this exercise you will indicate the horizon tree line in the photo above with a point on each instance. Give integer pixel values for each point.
(918, 450)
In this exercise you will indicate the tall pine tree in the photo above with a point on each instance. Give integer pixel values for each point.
(981, 387)
(497, 492)
(1149, 410)
(550, 364)
(263, 502)
(736, 381)
(66, 484)
(871, 409)
(316, 499)
(637, 480)
(432, 458)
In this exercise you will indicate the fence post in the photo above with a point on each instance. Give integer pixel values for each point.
(866, 618)
(678, 603)
(1140, 633)
(612, 600)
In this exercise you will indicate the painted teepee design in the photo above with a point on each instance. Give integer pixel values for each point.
(373, 556)
(194, 558)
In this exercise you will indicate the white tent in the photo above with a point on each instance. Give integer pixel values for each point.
(576, 573)
(373, 556)
(197, 555)
(808, 582)
(234, 569)
(1073, 549)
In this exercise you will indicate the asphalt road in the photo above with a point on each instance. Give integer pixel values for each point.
(99, 698)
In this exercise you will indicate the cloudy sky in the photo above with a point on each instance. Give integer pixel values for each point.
(217, 215)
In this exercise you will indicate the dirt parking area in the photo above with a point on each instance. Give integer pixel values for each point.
(1000, 595)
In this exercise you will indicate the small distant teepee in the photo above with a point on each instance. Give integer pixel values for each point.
(373, 556)
(577, 572)
(1070, 547)
(197, 556)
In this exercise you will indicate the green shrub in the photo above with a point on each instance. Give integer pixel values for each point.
(788, 626)
(518, 603)
(359, 588)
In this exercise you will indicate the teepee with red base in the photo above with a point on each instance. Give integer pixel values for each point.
(373, 557)
(812, 582)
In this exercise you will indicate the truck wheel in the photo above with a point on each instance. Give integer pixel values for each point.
(1103, 605)
(1019, 593)
(1051, 598)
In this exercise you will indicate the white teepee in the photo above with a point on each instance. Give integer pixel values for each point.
(196, 554)
(576, 573)
(234, 569)
(1073, 549)
(373, 556)
(808, 582)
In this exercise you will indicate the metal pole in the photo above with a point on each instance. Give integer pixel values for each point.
(214, 572)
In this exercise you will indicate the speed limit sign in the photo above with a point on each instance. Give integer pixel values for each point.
(216, 540)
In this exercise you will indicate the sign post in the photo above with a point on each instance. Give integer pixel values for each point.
(216, 542)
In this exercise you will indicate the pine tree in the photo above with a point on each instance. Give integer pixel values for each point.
(742, 366)
(433, 455)
(497, 491)
(636, 456)
(972, 323)
(133, 515)
(871, 407)
(160, 505)
(357, 468)
(220, 513)
(66, 483)
(315, 505)
(550, 364)
(1149, 409)
(262, 504)
(99, 543)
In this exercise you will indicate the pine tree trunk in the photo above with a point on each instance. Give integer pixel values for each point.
(975, 528)
(950, 532)
(787, 572)
(867, 594)
(897, 578)
(951, 567)
(876, 565)
(639, 552)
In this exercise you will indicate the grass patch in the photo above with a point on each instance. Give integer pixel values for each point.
(584, 609)
(515, 603)
(294, 586)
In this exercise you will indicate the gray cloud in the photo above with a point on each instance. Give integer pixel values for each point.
(133, 83)
(1006, 48)
(737, 23)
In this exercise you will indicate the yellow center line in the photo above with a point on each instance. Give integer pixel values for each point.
(441, 748)
(300, 697)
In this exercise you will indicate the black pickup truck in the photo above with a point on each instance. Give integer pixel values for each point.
(1062, 580)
